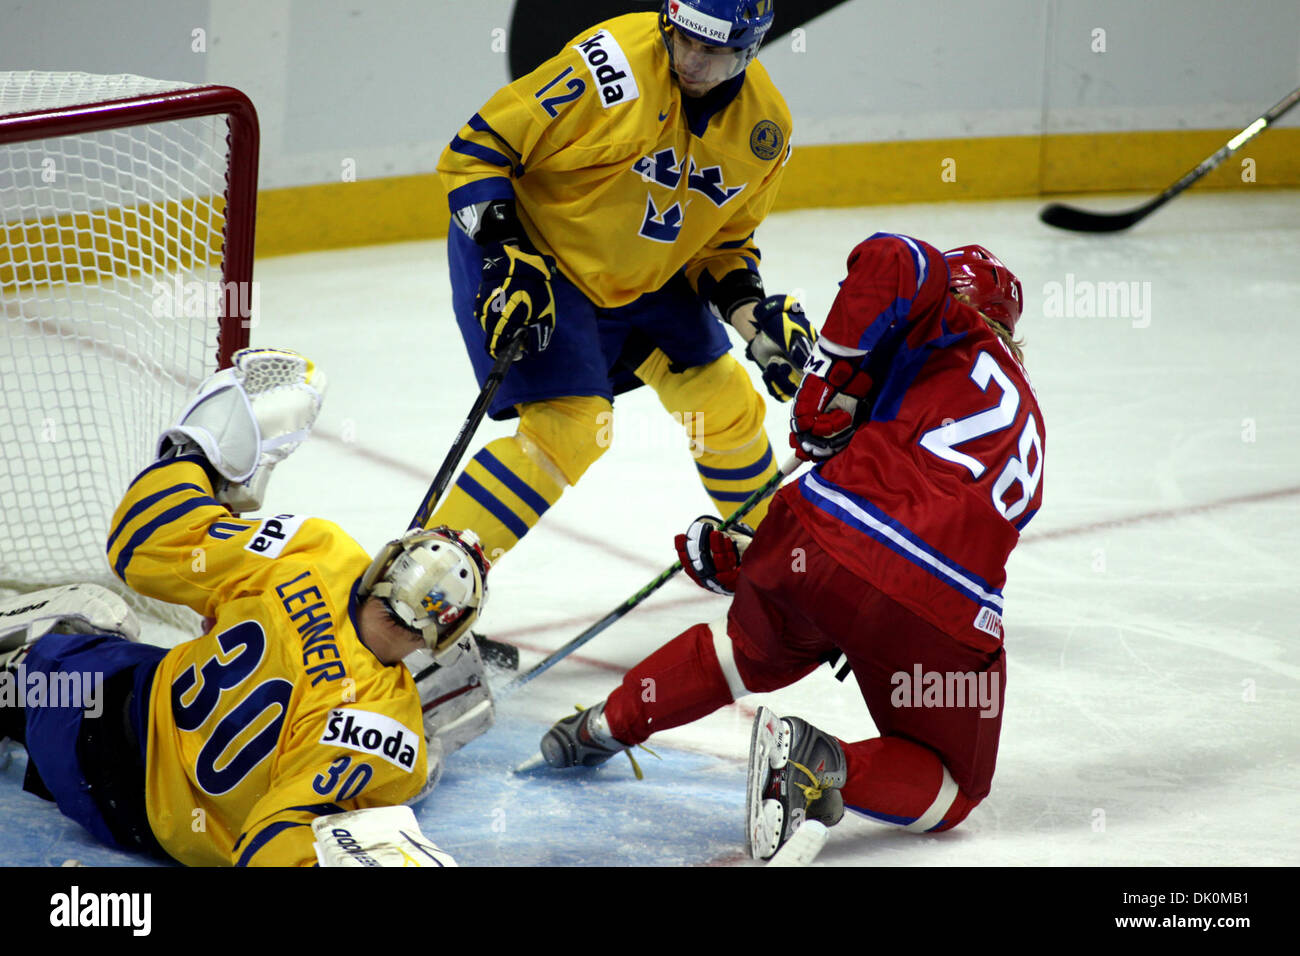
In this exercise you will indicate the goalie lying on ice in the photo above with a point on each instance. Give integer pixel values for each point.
(277, 736)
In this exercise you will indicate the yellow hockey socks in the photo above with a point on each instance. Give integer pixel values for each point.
(511, 482)
(723, 416)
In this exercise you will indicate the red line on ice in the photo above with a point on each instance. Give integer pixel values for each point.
(603, 544)
(423, 474)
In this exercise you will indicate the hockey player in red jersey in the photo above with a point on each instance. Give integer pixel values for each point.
(928, 444)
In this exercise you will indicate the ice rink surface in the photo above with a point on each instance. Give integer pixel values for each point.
(1152, 712)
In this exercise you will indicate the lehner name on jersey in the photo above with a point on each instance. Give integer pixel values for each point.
(609, 69)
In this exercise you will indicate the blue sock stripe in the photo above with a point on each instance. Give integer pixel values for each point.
(495, 506)
(882, 817)
(736, 496)
(526, 493)
(737, 474)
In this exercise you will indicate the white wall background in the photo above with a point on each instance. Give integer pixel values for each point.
(386, 83)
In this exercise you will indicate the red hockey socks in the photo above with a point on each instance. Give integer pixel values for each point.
(678, 683)
(896, 781)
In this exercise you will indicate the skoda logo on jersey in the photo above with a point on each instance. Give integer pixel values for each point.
(766, 140)
(273, 534)
(699, 23)
(369, 733)
(609, 69)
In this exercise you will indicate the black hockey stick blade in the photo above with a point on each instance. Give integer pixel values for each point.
(1081, 220)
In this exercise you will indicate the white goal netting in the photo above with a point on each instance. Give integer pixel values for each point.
(112, 263)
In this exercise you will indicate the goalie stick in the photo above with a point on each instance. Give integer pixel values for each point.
(1081, 220)
(467, 430)
(556, 656)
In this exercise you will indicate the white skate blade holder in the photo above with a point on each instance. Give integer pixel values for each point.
(802, 848)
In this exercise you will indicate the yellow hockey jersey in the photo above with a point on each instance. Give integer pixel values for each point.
(608, 176)
(277, 714)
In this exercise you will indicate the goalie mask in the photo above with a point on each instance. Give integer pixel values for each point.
(434, 581)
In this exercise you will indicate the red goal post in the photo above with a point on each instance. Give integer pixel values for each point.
(127, 220)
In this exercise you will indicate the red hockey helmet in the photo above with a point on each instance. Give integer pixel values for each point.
(991, 287)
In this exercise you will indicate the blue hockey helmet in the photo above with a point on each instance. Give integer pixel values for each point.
(734, 28)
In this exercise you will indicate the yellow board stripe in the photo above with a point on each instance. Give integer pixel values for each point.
(404, 208)
(335, 215)
(85, 247)
(339, 215)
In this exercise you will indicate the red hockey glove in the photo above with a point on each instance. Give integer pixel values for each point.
(712, 557)
(515, 293)
(823, 419)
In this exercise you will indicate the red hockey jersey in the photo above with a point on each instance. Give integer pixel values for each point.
(932, 492)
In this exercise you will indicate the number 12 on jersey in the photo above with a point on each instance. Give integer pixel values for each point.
(942, 441)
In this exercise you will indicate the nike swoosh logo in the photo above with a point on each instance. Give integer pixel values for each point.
(662, 117)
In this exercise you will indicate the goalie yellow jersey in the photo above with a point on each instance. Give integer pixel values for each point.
(277, 714)
(609, 173)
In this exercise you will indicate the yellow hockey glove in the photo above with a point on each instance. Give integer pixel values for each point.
(515, 294)
(783, 344)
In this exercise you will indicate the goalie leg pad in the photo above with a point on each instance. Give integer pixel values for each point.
(380, 836)
(71, 609)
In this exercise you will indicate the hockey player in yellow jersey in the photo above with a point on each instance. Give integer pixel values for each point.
(290, 733)
(605, 206)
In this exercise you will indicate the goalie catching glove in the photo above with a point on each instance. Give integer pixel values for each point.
(826, 407)
(514, 297)
(783, 344)
(248, 418)
(712, 557)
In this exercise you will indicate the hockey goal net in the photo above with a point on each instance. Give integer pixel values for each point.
(126, 250)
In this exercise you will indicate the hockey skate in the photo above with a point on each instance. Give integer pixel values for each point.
(795, 772)
(582, 740)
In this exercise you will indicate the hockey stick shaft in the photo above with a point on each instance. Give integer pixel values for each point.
(659, 581)
(467, 430)
(1081, 220)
